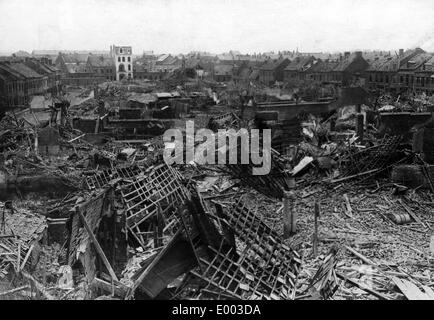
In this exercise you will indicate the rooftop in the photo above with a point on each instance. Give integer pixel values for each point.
(24, 70)
(271, 65)
(299, 63)
(100, 61)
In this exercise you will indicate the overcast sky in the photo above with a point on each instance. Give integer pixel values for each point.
(216, 25)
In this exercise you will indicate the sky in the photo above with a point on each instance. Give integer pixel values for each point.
(181, 26)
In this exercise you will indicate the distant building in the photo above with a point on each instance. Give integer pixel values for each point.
(66, 61)
(102, 66)
(18, 83)
(350, 69)
(75, 70)
(142, 72)
(167, 63)
(43, 67)
(273, 71)
(409, 73)
(322, 71)
(21, 54)
(394, 73)
(223, 72)
(425, 77)
(296, 70)
(123, 59)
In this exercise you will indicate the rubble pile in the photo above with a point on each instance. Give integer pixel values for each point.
(345, 213)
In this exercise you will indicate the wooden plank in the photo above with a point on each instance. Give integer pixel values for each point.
(118, 289)
(97, 245)
(411, 291)
(17, 267)
(354, 176)
(27, 257)
(14, 290)
(362, 287)
(289, 215)
(349, 210)
(360, 256)
(76, 138)
(315, 235)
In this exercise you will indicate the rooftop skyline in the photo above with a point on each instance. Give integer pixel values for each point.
(217, 26)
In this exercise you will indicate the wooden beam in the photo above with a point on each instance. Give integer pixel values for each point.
(23, 264)
(315, 235)
(154, 262)
(5, 293)
(360, 256)
(289, 215)
(362, 287)
(97, 245)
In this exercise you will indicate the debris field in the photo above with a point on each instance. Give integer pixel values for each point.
(89, 209)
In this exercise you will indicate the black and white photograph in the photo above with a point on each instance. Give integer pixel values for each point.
(216, 154)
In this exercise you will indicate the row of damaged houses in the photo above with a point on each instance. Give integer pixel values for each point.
(345, 71)
(88, 69)
(410, 70)
(413, 70)
(20, 79)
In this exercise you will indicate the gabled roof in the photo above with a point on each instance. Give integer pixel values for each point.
(171, 60)
(346, 62)
(323, 66)
(52, 68)
(24, 70)
(384, 64)
(9, 74)
(429, 65)
(299, 63)
(416, 61)
(100, 61)
(77, 68)
(39, 67)
(22, 53)
(393, 63)
(167, 59)
(162, 57)
(272, 65)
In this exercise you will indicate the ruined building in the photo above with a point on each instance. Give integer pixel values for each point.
(123, 57)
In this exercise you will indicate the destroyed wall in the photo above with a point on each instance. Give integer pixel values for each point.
(81, 244)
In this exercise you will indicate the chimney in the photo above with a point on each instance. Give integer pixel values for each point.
(401, 52)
